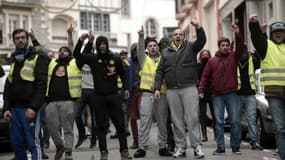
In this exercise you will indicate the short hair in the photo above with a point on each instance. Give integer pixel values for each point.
(19, 30)
(149, 39)
(223, 39)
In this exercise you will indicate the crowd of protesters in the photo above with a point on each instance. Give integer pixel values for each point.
(170, 82)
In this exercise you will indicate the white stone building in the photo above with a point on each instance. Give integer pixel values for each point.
(119, 20)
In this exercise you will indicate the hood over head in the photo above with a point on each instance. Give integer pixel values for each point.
(99, 40)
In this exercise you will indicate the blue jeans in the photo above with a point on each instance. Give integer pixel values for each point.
(87, 97)
(247, 105)
(277, 108)
(230, 102)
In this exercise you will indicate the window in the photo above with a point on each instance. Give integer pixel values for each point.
(126, 8)
(59, 29)
(96, 22)
(83, 20)
(150, 26)
(15, 21)
(106, 23)
(25, 22)
(168, 31)
(13, 24)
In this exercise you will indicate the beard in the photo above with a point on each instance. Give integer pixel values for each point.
(63, 58)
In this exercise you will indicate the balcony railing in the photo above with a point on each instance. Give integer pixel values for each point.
(21, 3)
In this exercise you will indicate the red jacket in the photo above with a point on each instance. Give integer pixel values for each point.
(221, 71)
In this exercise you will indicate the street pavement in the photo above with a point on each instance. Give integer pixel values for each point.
(84, 153)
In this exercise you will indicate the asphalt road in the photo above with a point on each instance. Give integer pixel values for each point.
(84, 153)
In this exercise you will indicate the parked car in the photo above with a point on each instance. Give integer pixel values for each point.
(4, 125)
(264, 119)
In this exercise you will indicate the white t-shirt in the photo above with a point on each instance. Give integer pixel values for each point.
(87, 77)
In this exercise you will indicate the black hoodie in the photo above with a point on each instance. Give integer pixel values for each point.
(105, 67)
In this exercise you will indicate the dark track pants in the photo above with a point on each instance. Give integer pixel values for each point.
(110, 106)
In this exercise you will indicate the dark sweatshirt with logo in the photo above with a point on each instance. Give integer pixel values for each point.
(105, 70)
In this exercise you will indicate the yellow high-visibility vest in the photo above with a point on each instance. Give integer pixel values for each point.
(250, 74)
(73, 76)
(27, 71)
(148, 75)
(273, 66)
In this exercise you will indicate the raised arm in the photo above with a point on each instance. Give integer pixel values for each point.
(258, 39)
(240, 47)
(141, 49)
(34, 40)
(199, 43)
(88, 49)
(70, 42)
(83, 58)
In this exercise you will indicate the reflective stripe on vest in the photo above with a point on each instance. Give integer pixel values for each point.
(251, 74)
(148, 75)
(73, 75)
(119, 83)
(273, 66)
(27, 71)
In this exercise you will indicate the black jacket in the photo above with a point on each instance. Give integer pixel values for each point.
(245, 88)
(21, 93)
(179, 68)
(105, 69)
(208, 90)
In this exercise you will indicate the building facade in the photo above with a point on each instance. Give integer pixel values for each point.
(217, 16)
(119, 20)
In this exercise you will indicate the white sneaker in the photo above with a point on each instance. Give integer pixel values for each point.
(198, 153)
(179, 153)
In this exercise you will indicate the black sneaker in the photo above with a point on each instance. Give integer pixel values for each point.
(236, 151)
(92, 144)
(140, 153)
(219, 151)
(80, 142)
(164, 152)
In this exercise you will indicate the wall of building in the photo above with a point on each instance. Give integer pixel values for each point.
(219, 15)
(162, 11)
